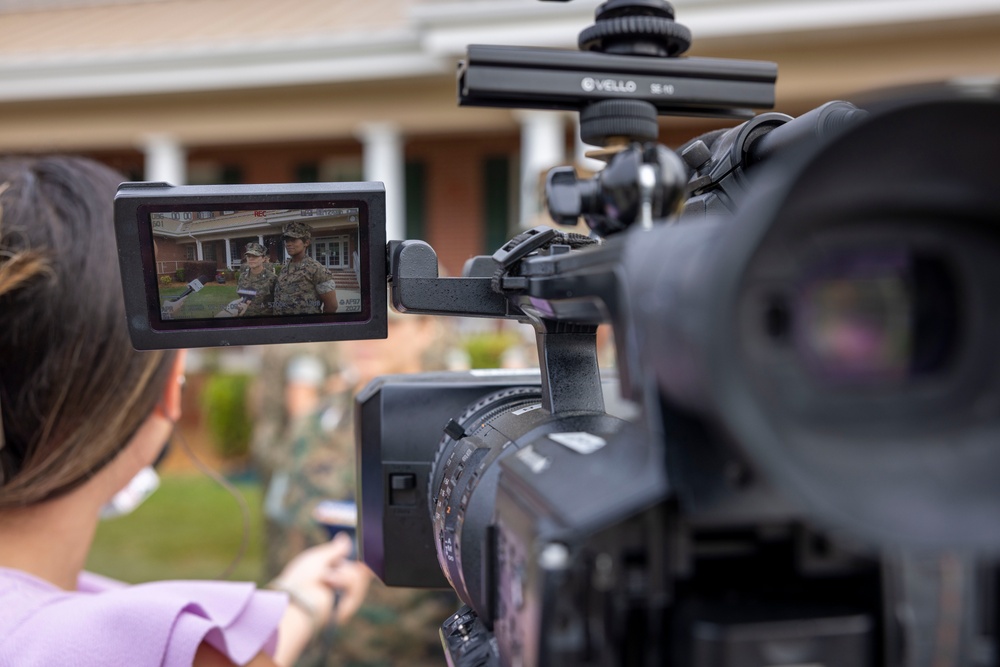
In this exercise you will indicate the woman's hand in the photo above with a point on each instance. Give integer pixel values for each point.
(308, 578)
(169, 308)
(350, 580)
(314, 580)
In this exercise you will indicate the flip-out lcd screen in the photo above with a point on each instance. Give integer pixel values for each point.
(206, 265)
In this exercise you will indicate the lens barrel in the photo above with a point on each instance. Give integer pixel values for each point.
(464, 479)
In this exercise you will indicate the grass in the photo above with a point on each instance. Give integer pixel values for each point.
(190, 528)
(206, 302)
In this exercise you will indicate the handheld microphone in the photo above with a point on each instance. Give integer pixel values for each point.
(236, 307)
(193, 286)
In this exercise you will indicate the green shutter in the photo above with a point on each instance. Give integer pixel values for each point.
(496, 201)
(416, 200)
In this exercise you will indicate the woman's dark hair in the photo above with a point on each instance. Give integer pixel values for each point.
(73, 391)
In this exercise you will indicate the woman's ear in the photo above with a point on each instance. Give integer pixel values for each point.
(170, 404)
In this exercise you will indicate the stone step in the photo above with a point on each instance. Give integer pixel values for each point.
(345, 279)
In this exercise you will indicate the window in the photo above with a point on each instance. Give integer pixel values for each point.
(335, 169)
(307, 172)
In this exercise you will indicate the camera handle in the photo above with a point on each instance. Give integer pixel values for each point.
(526, 279)
(643, 182)
(567, 351)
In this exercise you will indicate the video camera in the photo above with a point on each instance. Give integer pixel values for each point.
(797, 461)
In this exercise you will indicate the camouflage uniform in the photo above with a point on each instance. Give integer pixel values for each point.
(314, 468)
(299, 286)
(263, 284)
(271, 420)
(394, 627)
(274, 431)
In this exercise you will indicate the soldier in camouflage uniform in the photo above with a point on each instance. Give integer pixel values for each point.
(395, 627)
(257, 276)
(293, 380)
(304, 285)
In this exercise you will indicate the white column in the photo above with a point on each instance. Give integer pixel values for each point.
(229, 253)
(581, 159)
(201, 254)
(383, 161)
(543, 146)
(166, 159)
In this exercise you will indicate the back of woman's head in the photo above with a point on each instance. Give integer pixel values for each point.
(72, 389)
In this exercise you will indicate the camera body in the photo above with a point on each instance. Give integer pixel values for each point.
(794, 462)
(399, 422)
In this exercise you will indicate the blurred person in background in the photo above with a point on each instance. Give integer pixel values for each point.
(81, 414)
(394, 626)
(292, 383)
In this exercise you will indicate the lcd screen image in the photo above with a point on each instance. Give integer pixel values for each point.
(258, 263)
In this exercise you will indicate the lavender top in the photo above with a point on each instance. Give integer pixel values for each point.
(105, 622)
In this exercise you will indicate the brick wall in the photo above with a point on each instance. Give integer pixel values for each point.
(169, 256)
(454, 224)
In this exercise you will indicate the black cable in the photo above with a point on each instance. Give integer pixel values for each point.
(241, 502)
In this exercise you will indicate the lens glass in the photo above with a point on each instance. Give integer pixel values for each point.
(873, 317)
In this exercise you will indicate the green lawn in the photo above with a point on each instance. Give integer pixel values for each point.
(190, 528)
(205, 303)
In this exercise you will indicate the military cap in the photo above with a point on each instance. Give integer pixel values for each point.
(297, 230)
(255, 249)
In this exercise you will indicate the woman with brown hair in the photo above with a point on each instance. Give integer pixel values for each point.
(81, 413)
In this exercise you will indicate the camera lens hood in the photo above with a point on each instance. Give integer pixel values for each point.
(841, 329)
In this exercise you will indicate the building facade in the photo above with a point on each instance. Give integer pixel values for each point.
(222, 237)
(254, 91)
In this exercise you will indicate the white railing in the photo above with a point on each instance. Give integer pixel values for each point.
(168, 266)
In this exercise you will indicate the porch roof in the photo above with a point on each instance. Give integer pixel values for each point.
(247, 223)
(64, 49)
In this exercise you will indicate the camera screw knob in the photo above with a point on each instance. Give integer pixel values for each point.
(636, 28)
(696, 154)
(563, 196)
(633, 120)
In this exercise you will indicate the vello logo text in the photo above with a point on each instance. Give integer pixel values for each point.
(590, 84)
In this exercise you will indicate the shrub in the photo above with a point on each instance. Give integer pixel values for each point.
(165, 280)
(486, 350)
(224, 405)
(179, 274)
(193, 269)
